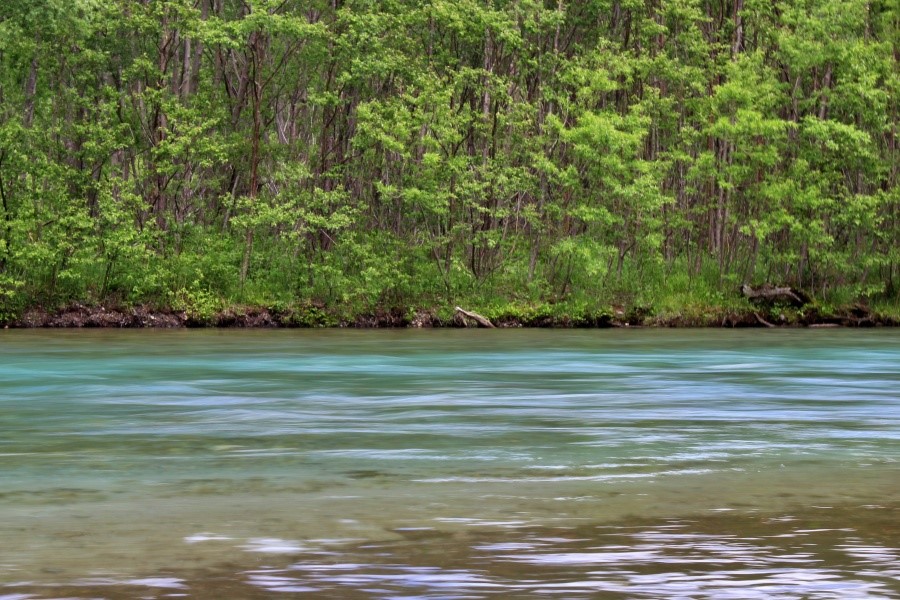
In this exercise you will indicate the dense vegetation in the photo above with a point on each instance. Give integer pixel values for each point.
(510, 154)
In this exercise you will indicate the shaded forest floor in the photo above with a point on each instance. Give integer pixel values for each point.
(307, 316)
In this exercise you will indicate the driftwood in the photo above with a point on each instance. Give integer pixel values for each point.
(476, 317)
(770, 294)
(762, 321)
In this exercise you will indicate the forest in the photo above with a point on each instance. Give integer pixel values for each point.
(524, 157)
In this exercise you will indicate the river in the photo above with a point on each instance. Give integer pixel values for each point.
(450, 464)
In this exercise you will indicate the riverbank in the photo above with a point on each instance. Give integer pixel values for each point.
(311, 316)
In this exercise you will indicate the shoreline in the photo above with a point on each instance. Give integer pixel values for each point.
(78, 316)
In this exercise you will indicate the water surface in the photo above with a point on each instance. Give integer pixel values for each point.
(450, 464)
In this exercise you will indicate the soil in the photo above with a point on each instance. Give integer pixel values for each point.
(80, 315)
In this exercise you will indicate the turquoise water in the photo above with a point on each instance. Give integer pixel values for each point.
(450, 464)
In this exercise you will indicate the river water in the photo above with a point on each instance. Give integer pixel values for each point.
(450, 464)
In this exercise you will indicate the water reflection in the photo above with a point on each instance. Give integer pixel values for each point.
(675, 559)
(740, 556)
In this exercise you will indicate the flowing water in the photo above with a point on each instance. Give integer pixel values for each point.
(450, 464)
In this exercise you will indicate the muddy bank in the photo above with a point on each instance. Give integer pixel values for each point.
(79, 315)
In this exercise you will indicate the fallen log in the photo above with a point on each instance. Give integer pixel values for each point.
(762, 321)
(770, 294)
(475, 317)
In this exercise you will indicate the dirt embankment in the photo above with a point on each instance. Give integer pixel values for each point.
(79, 315)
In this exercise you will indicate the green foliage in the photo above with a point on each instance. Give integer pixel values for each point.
(199, 305)
(532, 159)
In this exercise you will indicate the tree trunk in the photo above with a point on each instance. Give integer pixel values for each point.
(31, 90)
